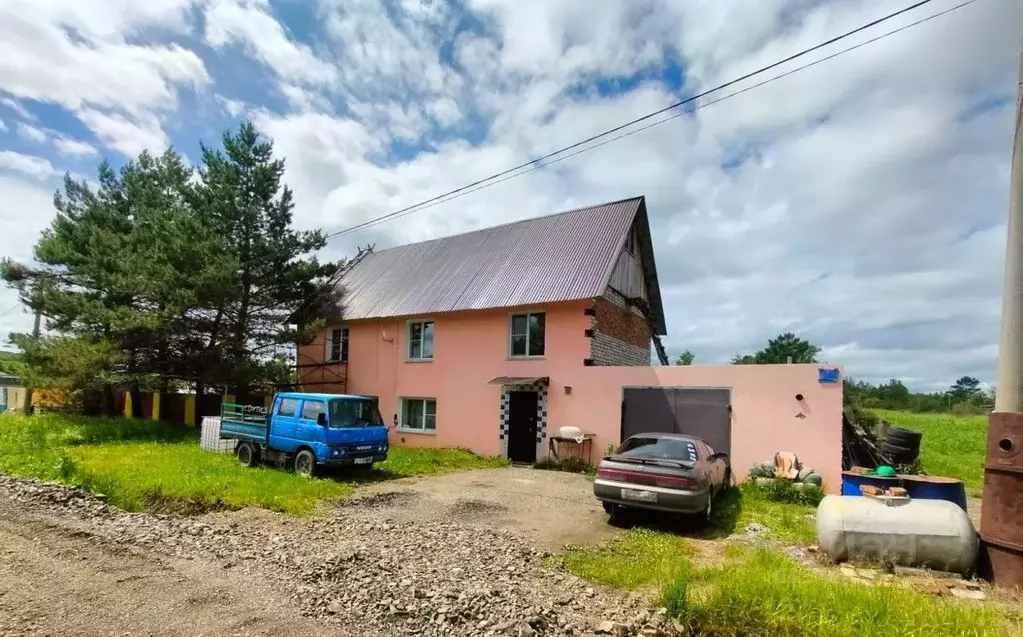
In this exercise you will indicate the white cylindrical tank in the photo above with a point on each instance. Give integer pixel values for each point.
(931, 534)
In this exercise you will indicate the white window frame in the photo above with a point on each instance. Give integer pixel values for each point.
(405, 427)
(408, 340)
(329, 345)
(511, 334)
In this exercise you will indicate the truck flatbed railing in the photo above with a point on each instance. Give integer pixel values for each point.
(243, 422)
(245, 414)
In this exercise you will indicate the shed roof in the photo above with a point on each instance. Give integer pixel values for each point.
(6, 380)
(566, 256)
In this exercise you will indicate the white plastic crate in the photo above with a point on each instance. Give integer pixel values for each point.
(210, 439)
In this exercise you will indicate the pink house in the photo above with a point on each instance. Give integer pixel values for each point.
(496, 339)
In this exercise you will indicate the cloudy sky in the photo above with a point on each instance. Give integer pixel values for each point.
(859, 203)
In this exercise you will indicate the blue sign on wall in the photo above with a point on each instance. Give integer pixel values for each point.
(827, 375)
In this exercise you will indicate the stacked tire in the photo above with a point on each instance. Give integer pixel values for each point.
(901, 446)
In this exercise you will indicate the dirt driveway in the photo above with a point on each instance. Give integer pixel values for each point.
(550, 507)
(462, 554)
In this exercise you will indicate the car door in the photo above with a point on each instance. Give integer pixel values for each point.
(308, 430)
(283, 423)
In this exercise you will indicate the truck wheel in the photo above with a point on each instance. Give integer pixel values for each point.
(248, 456)
(305, 463)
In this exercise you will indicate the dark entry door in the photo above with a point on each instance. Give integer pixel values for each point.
(522, 426)
(696, 411)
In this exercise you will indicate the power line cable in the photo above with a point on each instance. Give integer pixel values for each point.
(10, 309)
(535, 167)
(611, 131)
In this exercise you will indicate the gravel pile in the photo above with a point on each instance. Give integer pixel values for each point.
(375, 577)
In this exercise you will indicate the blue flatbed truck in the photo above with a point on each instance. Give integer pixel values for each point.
(310, 430)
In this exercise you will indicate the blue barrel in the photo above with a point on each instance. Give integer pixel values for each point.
(936, 488)
(851, 482)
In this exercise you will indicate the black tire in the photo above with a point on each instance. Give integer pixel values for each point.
(900, 450)
(608, 508)
(247, 454)
(305, 464)
(904, 437)
(900, 455)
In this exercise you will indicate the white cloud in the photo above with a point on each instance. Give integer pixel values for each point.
(249, 23)
(234, 108)
(18, 233)
(69, 147)
(128, 135)
(30, 165)
(31, 133)
(3, 126)
(18, 109)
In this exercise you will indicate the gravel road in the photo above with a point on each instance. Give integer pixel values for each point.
(71, 565)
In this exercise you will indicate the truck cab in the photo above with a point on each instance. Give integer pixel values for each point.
(309, 430)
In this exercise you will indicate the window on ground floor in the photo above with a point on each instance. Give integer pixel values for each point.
(527, 334)
(418, 415)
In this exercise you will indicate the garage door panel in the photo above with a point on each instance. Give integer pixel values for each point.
(704, 413)
(701, 412)
(648, 410)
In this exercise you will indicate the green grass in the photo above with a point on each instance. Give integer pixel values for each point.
(762, 593)
(640, 558)
(144, 465)
(747, 504)
(952, 446)
(769, 594)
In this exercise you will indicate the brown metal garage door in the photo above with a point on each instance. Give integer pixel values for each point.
(702, 412)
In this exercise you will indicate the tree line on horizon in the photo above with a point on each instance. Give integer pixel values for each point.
(965, 395)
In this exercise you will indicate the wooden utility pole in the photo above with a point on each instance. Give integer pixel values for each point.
(27, 406)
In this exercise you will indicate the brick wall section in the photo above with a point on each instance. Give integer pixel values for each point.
(621, 335)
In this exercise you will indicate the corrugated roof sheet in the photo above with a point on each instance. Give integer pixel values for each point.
(561, 257)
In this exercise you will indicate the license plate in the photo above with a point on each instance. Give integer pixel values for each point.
(363, 460)
(638, 495)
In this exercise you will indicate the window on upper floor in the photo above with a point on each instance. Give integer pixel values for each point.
(528, 338)
(418, 415)
(336, 345)
(420, 341)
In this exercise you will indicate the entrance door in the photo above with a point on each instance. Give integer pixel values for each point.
(522, 426)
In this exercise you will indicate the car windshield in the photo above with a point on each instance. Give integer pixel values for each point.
(354, 412)
(654, 448)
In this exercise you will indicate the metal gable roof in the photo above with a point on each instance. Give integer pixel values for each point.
(561, 257)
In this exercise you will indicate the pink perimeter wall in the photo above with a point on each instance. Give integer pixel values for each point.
(764, 409)
(470, 349)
